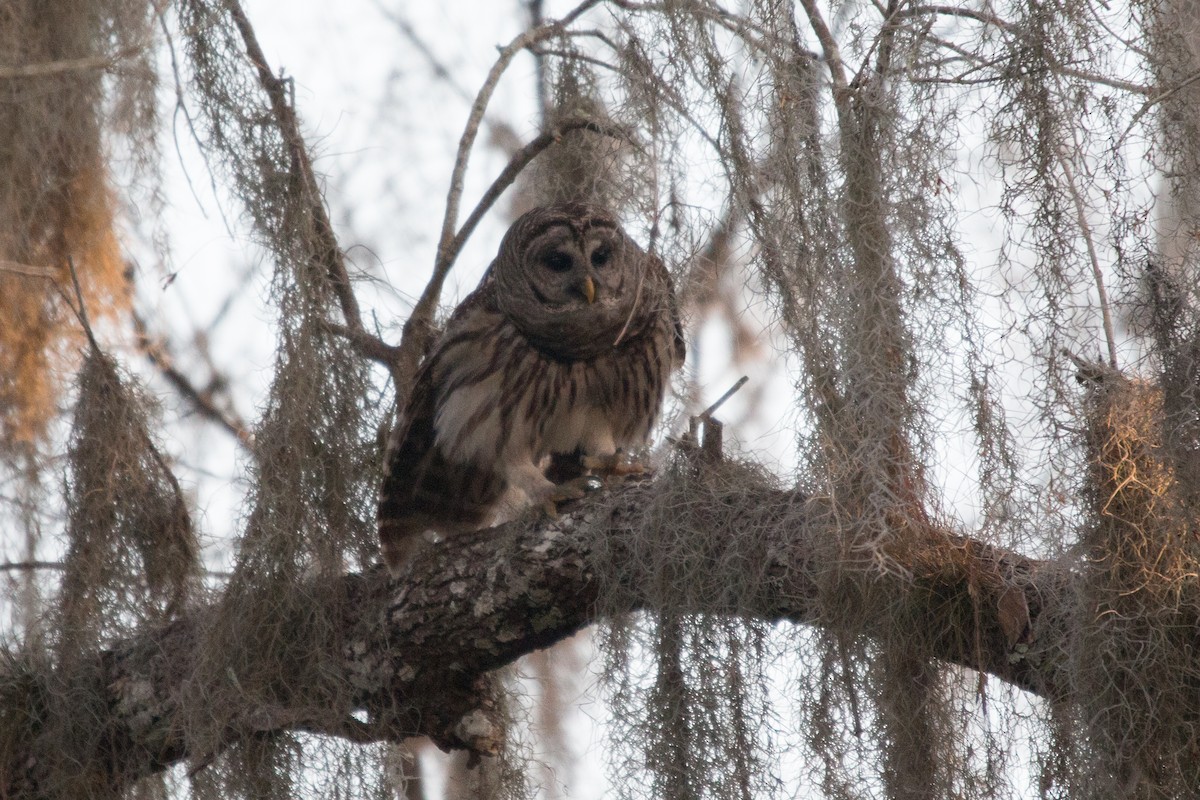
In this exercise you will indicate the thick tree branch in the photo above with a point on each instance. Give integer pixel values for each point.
(416, 651)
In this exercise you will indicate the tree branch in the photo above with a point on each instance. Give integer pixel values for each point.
(203, 401)
(276, 89)
(417, 651)
(106, 63)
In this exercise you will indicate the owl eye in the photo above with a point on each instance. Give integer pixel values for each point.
(558, 262)
(601, 256)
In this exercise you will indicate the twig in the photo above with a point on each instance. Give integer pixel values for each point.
(697, 286)
(537, 17)
(707, 413)
(1091, 77)
(439, 68)
(29, 566)
(1152, 102)
(706, 433)
(499, 130)
(471, 131)
(26, 270)
(201, 400)
(1007, 28)
(882, 43)
(516, 164)
(66, 65)
(81, 312)
(955, 11)
(368, 345)
(1097, 274)
(181, 108)
(577, 57)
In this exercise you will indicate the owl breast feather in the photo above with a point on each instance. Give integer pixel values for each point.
(537, 406)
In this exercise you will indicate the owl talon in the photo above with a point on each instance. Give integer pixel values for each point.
(574, 489)
(613, 464)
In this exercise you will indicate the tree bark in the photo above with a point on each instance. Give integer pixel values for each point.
(418, 649)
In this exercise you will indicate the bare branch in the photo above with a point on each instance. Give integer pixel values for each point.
(202, 401)
(1001, 24)
(1166, 94)
(368, 345)
(1101, 80)
(829, 47)
(440, 70)
(720, 401)
(401, 360)
(958, 11)
(27, 270)
(30, 566)
(81, 311)
(1085, 229)
(445, 254)
(67, 65)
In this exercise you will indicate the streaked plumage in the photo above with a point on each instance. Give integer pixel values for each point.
(567, 345)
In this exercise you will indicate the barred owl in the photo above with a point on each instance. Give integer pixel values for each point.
(565, 347)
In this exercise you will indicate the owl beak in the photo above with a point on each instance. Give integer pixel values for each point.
(589, 289)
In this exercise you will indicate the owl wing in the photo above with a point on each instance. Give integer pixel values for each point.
(422, 490)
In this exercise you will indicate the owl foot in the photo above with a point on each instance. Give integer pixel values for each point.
(574, 489)
(613, 465)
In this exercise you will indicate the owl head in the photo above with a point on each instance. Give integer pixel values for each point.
(571, 280)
